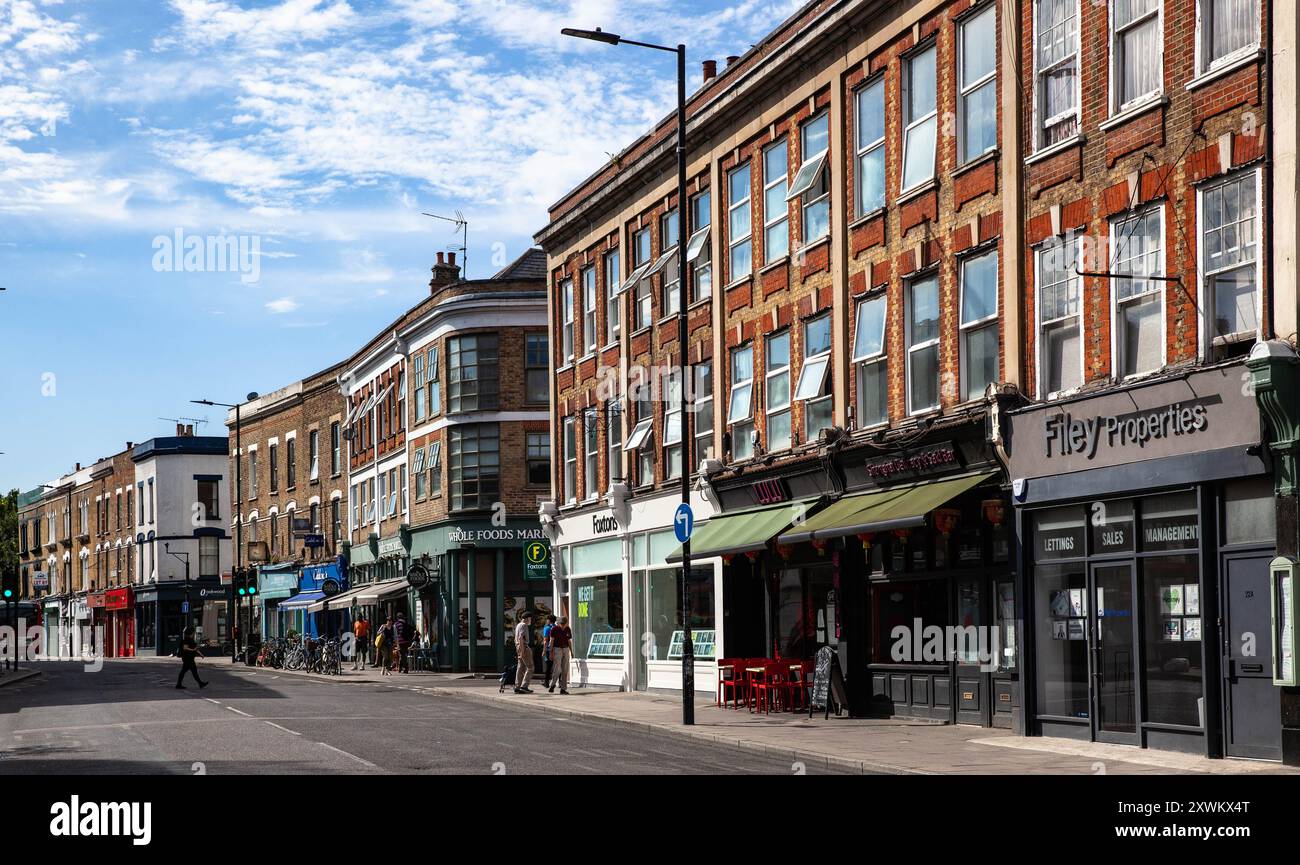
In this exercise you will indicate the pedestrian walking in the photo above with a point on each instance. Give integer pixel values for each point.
(360, 642)
(383, 646)
(402, 637)
(561, 653)
(188, 651)
(546, 650)
(524, 652)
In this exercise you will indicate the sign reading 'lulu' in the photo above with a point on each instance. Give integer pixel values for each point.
(1066, 435)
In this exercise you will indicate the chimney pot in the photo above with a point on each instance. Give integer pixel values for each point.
(732, 58)
(710, 70)
(180, 429)
(451, 259)
(78, 467)
(440, 258)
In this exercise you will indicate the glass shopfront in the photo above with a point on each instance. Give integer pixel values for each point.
(1118, 617)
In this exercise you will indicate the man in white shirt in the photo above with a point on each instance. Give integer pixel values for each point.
(524, 652)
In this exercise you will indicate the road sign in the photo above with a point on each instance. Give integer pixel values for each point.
(683, 523)
(185, 606)
(537, 560)
(227, 579)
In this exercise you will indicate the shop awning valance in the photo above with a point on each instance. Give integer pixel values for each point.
(299, 602)
(897, 508)
(743, 531)
(341, 601)
(376, 592)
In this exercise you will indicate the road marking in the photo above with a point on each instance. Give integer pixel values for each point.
(212, 701)
(346, 754)
(237, 712)
(285, 729)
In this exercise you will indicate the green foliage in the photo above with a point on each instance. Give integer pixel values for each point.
(9, 532)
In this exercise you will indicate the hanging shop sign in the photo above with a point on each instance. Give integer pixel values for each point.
(313, 541)
(418, 576)
(329, 587)
(537, 560)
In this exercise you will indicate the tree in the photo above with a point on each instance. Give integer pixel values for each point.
(9, 532)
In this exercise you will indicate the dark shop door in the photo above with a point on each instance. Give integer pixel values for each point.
(1113, 638)
(972, 700)
(1252, 704)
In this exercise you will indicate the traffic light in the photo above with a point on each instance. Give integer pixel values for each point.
(9, 586)
(251, 581)
(246, 582)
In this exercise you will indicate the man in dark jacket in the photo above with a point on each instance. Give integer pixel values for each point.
(402, 636)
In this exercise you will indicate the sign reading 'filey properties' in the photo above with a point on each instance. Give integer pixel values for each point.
(1065, 434)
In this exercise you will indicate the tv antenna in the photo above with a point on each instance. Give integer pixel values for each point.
(198, 421)
(462, 225)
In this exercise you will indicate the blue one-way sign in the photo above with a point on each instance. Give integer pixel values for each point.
(683, 523)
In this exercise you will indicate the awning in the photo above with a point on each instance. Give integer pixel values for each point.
(743, 531)
(897, 508)
(298, 602)
(340, 601)
(375, 592)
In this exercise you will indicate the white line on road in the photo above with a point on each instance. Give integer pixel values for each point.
(212, 701)
(346, 754)
(237, 712)
(285, 729)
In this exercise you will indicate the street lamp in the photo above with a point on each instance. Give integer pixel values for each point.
(238, 515)
(688, 649)
(189, 611)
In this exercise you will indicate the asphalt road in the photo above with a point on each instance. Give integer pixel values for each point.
(128, 718)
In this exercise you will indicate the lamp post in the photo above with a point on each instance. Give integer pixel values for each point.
(688, 649)
(238, 515)
(189, 611)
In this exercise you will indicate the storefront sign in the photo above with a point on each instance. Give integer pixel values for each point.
(95, 600)
(417, 577)
(930, 459)
(772, 491)
(392, 547)
(474, 536)
(117, 599)
(603, 524)
(277, 582)
(1066, 434)
(537, 561)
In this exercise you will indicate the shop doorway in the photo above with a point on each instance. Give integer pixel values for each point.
(971, 705)
(1113, 641)
(1252, 704)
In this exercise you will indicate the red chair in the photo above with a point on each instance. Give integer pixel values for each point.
(730, 678)
(770, 683)
(749, 670)
(797, 682)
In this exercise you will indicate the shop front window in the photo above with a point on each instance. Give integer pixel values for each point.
(1249, 512)
(663, 638)
(806, 612)
(899, 607)
(1171, 637)
(596, 604)
(1062, 651)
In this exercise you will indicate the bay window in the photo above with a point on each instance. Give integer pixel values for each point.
(1060, 362)
(1137, 250)
(923, 344)
(740, 402)
(1056, 70)
(1136, 52)
(777, 390)
(978, 99)
(474, 371)
(739, 236)
(871, 362)
(475, 465)
(870, 108)
(814, 376)
(776, 212)
(979, 323)
(920, 114)
(1229, 214)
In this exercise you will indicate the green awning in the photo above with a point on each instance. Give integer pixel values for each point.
(898, 508)
(744, 531)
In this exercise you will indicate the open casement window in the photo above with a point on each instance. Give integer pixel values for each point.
(702, 405)
(435, 468)
(570, 460)
(566, 290)
(1136, 52)
(1229, 218)
(417, 368)
(1227, 31)
(666, 265)
(776, 210)
(869, 104)
(814, 374)
(777, 390)
(922, 306)
(590, 453)
(435, 382)
(1056, 70)
(614, 440)
(740, 402)
(978, 99)
(417, 472)
(813, 180)
(673, 429)
(589, 310)
(643, 439)
(612, 286)
(740, 243)
(1137, 250)
(920, 113)
(638, 282)
(871, 362)
(979, 324)
(1060, 348)
(699, 254)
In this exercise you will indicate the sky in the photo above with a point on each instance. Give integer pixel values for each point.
(203, 198)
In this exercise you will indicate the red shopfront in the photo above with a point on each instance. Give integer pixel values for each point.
(114, 611)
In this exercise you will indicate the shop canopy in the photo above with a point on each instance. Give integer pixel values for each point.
(743, 531)
(299, 602)
(897, 508)
(340, 601)
(373, 593)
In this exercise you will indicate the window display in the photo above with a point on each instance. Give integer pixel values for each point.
(597, 607)
(1172, 638)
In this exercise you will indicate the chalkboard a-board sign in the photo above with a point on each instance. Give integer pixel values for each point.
(828, 683)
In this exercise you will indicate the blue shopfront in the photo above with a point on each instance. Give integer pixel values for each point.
(275, 584)
(316, 583)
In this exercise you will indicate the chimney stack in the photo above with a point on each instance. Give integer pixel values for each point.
(130, 445)
(732, 58)
(710, 70)
(180, 430)
(445, 272)
(78, 468)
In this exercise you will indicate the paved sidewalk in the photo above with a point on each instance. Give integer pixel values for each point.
(894, 746)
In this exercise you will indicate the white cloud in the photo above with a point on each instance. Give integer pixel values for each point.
(282, 306)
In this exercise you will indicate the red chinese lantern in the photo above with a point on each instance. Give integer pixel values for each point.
(995, 510)
(752, 555)
(819, 544)
(784, 551)
(901, 535)
(945, 520)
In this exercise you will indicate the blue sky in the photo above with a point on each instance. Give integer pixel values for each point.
(318, 129)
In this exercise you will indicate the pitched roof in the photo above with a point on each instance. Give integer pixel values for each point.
(530, 265)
